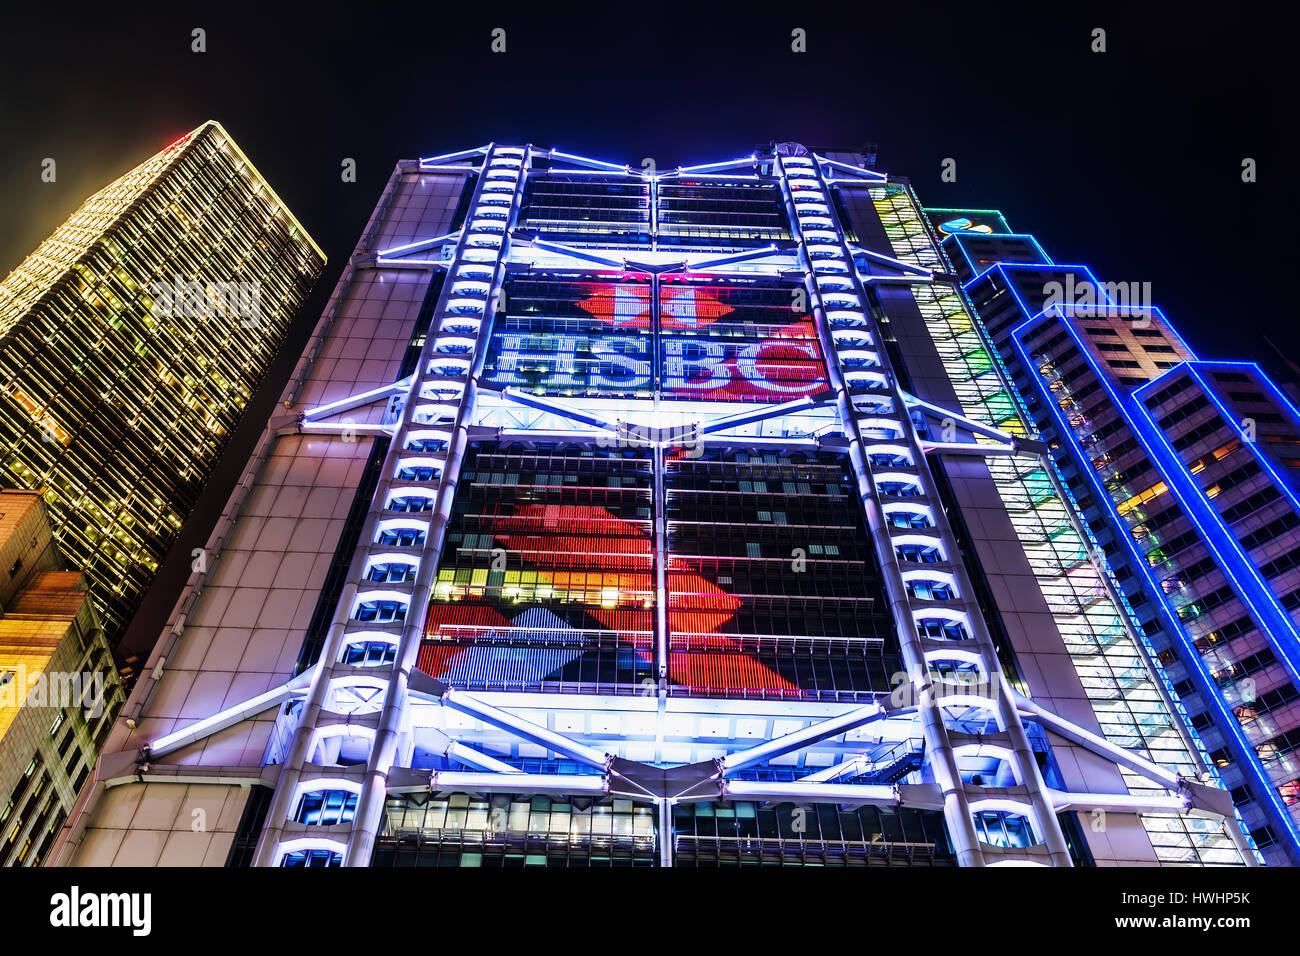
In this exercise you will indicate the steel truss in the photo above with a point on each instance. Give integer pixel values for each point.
(873, 416)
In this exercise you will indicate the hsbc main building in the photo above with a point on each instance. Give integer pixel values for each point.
(624, 517)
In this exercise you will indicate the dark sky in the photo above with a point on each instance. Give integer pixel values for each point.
(1128, 160)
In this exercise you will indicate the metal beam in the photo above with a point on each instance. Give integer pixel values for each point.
(556, 407)
(777, 792)
(572, 252)
(868, 174)
(1117, 802)
(965, 448)
(336, 428)
(420, 245)
(457, 781)
(193, 733)
(477, 153)
(360, 398)
(586, 161)
(880, 258)
(525, 729)
(764, 412)
(745, 161)
(1098, 745)
(799, 739)
(475, 758)
(709, 262)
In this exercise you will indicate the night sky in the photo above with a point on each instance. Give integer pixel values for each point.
(1128, 160)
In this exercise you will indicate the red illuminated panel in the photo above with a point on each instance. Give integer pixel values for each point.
(723, 669)
(784, 366)
(628, 307)
(555, 538)
(454, 620)
(780, 363)
(584, 530)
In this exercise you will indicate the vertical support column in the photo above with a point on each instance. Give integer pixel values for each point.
(392, 721)
(852, 343)
(449, 366)
(661, 570)
(667, 842)
(500, 168)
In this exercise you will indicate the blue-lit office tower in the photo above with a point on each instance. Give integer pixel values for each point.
(674, 518)
(1186, 473)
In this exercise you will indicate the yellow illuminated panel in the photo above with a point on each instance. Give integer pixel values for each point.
(1141, 498)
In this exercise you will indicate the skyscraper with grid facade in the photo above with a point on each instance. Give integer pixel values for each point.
(677, 518)
(1186, 472)
(131, 341)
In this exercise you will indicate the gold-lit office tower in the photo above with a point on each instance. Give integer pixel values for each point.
(131, 341)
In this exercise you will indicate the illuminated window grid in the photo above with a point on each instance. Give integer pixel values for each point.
(463, 830)
(548, 565)
(32, 278)
(1197, 625)
(739, 831)
(588, 209)
(744, 620)
(720, 215)
(1124, 698)
(142, 404)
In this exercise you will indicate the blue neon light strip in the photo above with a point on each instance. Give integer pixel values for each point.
(1228, 722)
(1273, 615)
(1216, 536)
(956, 238)
(1156, 314)
(1261, 377)
(1175, 709)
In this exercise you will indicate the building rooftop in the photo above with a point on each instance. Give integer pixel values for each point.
(49, 594)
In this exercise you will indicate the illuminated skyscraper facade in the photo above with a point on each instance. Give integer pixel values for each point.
(1186, 471)
(131, 341)
(683, 518)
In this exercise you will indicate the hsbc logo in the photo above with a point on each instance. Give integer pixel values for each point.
(785, 364)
